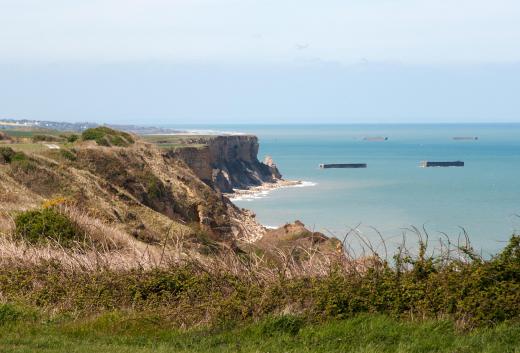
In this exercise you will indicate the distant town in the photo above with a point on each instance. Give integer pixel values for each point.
(81, 126)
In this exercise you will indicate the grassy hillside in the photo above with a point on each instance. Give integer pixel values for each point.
(111, 178)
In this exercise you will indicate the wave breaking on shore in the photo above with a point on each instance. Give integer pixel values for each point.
(262, 191)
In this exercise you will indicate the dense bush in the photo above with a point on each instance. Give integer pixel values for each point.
(8, 155)
(68, 154)
(105, 136)
(10, 314)
(472, 293)
(46, 138)
(43, 225)
(72, 138)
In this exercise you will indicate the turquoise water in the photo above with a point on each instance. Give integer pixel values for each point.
(394, 193)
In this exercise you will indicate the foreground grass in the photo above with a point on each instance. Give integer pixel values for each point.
(193, 307)
(117, 332)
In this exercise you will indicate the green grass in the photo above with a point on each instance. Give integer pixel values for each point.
(26, 132)
(28, 147)
(118, 332)
(32, 147)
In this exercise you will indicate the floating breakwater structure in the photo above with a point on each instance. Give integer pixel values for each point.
(428, 164)
(343, 165)
(465, 138)
(376, 138)
(424, 164)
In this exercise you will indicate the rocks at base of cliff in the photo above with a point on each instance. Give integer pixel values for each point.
(240, 174)
(268, 161)
(296, 234)
(299, 243)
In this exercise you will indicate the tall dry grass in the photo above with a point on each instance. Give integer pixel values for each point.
(106, 246)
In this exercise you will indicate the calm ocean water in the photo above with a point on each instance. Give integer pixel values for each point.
(394, 193)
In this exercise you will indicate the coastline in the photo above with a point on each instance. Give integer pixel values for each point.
(263, 190)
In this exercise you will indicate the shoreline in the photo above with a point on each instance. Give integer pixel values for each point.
(259, 191)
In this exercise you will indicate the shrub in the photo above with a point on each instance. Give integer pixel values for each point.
(23, 165)
(40, 226)
(8, 155)
(9, 314)
(19, 161)
(158, 283)
(55, 202)
(105, 136)
(46, 138)
(67, 154)
(471, 293)
(155, 188)
(72, 138)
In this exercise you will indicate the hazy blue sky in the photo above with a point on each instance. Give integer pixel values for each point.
(228, 61)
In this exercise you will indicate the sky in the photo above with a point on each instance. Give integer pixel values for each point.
(260, 61)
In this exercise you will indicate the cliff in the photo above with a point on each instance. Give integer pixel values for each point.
(228, 162)
(138, 189)
(129, 194)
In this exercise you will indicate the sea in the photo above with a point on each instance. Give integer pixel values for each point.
(393, 198)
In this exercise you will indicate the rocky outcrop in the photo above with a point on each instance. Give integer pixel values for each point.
(229, 162)
(296, 234)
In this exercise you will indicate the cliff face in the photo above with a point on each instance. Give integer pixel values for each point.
(140, 190)
(229, 162)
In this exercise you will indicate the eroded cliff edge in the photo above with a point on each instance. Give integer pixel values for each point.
(134, 196)
(228, 162)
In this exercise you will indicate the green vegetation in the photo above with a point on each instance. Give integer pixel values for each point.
(473, 293)
(141, 285)
(31, 132)
(177, 141)
(9, 314)
(68, 154)
(155, 188)
(8, 155)
(116, 332)
(46, 138)
(105, 136)
(44, 225)
(28, 147)
(72, 138)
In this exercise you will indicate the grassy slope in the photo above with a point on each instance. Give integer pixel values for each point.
(115, 332)
(26, 134)
(30, 132)
(176, 141)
